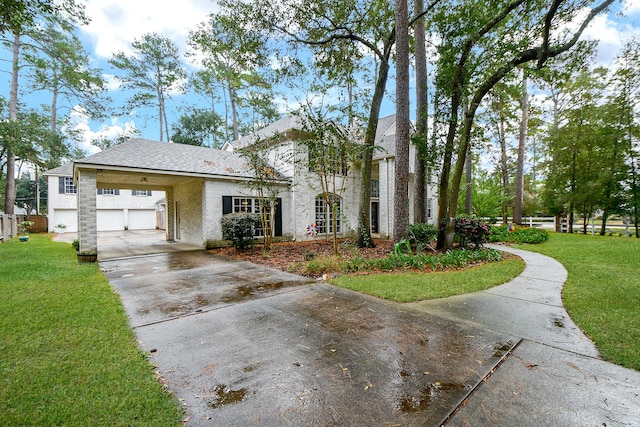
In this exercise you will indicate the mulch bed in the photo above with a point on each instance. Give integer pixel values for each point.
(284, 255)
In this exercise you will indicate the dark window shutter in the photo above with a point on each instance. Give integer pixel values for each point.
(116, 192)
(60, 185)
(99, 190)
(148, 192)
(133, 192)
(278, 224)
(227, 205)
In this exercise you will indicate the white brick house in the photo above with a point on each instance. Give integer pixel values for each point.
(202, 184)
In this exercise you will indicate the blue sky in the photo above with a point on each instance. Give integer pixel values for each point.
(116, 23)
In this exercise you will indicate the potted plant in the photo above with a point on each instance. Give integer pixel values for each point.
(87, 257)
(60, 228)
(84, 256)
(23, 230)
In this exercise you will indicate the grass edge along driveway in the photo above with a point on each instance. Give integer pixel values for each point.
(69, 356)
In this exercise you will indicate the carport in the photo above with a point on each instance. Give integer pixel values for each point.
(196, 181)
(90, 176)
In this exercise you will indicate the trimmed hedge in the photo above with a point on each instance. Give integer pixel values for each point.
(511, 234)
(240, 228)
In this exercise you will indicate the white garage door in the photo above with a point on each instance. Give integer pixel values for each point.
(142, 219)
(68, 217)
(110, 219)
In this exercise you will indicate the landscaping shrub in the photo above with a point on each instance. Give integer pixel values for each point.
(398, 259)
(510, 234)
(239, 228)
(458, 258)
(322, 265)
(421, 235)
(471, 230)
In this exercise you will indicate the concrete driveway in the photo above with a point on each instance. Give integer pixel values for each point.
(127, 243)
(241, 344)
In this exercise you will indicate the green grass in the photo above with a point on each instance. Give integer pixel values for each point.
(68, 356)
(602, 292)
(408, 287)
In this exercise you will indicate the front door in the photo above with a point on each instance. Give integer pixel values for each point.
(374, 217)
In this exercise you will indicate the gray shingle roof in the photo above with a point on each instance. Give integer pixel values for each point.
(385, 137)
(147, 155)
(64, 170)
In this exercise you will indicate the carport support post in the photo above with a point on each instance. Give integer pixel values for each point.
(87, 227)
(171, 215)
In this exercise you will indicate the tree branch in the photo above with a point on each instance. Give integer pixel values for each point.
(548, 20)
(428, 9)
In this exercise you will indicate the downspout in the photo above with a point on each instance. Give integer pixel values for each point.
(293, 194)
(293, 204)
(386, 162)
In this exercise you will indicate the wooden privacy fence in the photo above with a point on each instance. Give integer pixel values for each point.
(9, 225)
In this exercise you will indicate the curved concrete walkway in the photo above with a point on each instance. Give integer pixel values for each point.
(554, 376)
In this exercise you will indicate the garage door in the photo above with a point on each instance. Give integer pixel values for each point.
(142, 219)
(68, 217)
(110, 219)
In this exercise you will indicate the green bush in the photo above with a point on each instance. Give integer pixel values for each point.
(240, 228)
(422, 261)
(510, 234)
(471, 230)
(398, 260)
(421, 235)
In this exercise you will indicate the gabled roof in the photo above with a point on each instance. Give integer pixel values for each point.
(292, 123)
(144, 155)
(64, 170)
(385, 137)
(385, 125)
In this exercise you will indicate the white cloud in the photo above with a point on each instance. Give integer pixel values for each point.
(79, 124)
(117, 23)
(612, 35)
(631, 7)
(111, 82)
(610, 30)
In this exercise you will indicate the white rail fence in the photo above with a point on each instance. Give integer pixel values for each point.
(561, 224)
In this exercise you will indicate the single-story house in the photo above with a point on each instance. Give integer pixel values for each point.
(202, 184)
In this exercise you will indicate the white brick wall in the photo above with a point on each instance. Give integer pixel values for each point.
(189, 196)
(212, 208)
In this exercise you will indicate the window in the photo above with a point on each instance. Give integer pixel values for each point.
(108, 191)
(69, 188)
(245, 204)
(324, 215)
(141, 193)
(375, 188)
(231, 204)
(429, 208)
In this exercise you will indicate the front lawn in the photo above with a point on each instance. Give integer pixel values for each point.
(68, 354)
(417, 286)
(602, 292)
